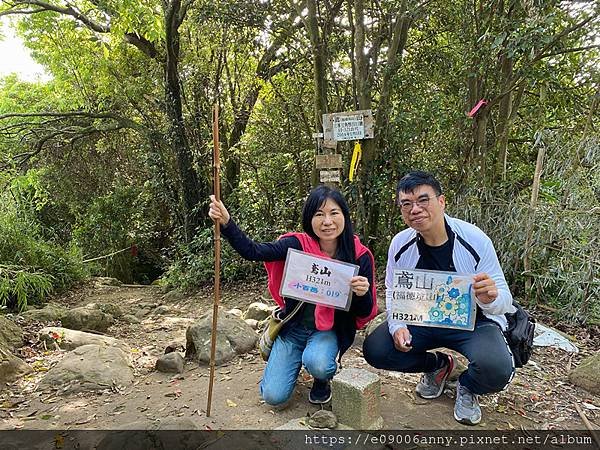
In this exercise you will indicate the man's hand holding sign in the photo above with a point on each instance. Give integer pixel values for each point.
(484, 288)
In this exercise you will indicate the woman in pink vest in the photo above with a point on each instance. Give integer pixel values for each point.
(316, 334)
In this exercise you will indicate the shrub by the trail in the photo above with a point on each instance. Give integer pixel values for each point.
(31, 266)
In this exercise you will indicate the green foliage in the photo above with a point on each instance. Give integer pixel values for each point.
(560, 235)
(31, 267)
(118, 181)
(20, 287)
(194, 264)
(114, 222)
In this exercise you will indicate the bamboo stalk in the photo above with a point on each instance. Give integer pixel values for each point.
(535, 189)
(587, 424)
(217, 193)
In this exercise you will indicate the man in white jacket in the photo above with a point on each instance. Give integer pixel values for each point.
(436, 241)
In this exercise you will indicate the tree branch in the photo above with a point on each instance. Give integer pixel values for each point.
(518, 78)
(142, 44)
(570, 50)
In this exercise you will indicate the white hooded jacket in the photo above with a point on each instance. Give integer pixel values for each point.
(472, 252)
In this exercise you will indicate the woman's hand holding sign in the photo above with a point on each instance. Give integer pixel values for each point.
(359, 285)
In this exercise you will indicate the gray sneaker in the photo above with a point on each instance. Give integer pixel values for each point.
(432, 383)
(466, 407)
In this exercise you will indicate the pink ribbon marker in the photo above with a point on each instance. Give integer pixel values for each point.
(476, 108)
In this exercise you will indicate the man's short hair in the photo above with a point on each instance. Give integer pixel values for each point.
(416, 178)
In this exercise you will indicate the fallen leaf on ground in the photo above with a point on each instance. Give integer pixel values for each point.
(231, 404)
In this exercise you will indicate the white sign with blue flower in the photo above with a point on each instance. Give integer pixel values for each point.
(433, 299)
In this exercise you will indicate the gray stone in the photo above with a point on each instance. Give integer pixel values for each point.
(110, 308)
(173, 296)
(67, 339)
(88, 368)
(129, 318)
(11, 367)
(378, 320)
(145, 309)
(106, 281)
(170, 363)
(161, 310)
(11, 335)
(252, 322)
(323, 419)
(223, 351)
(235, 312)
(234, 336)
(85, 318)
(49, 313)
(355, 402)
(258, 311)
(587, 374)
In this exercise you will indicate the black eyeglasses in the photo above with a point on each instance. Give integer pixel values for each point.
(423, 202)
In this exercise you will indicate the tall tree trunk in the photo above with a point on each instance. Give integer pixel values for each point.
(397, 41)
(319, 77)
(190, 187)
(319, 64)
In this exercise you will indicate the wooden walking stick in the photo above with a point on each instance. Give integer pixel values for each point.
(217, 193)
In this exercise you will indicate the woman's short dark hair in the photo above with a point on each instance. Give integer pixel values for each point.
(412, 180)
(316, 199)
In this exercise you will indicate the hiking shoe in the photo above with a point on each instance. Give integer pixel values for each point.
(466, 408)
(432, 384)
(320, 392)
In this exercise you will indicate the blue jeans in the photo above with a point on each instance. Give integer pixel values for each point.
(297, 345)
(491, 365)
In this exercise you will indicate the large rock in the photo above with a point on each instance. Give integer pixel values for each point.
(68, 339)
(234, 336)
(11, 367)
(258, 311)
(587, 374)
(11, 335)
(170, 363)
(90, 367)
(86, 318)
(49, 313)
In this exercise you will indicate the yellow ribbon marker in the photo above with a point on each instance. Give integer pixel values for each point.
(356, 155)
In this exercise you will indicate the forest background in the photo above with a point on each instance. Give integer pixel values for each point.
(113, 155)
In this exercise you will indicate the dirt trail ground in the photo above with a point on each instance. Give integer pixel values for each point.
(540, 397)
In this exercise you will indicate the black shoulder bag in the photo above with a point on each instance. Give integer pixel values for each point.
(519, 334)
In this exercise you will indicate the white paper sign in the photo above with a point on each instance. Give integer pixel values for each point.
(317, 280)
(433, 299)
(349, 127)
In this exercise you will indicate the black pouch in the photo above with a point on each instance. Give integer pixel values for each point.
(519, 334)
